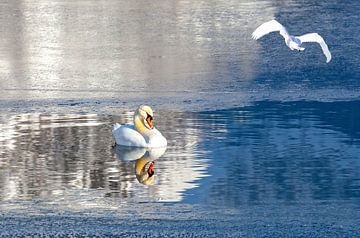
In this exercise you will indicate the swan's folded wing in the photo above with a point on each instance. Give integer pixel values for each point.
(268, 27)
(156, 139)
(315, 37)
(126, 135)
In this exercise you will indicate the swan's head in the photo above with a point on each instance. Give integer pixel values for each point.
(145, 171)
(146, 115)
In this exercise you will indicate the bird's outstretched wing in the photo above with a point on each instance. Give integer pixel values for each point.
(268, 27)
(315, 37)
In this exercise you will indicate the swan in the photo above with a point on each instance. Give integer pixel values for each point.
(293, 42)
(140, 134)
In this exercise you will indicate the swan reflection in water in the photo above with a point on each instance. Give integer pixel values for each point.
(144, 161)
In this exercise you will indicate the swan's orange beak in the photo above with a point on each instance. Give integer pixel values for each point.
(149, 121)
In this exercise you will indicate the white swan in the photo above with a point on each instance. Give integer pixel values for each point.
(142, 133)
(293, 42)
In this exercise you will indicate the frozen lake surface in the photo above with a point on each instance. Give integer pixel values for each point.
(262, 141)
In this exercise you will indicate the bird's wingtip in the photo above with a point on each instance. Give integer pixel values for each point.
(328, 59)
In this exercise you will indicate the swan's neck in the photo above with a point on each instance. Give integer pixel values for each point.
(139, 125)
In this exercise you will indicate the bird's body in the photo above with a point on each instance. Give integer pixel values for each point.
(293, 42)
(142, 133)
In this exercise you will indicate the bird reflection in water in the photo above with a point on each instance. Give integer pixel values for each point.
(144, 161)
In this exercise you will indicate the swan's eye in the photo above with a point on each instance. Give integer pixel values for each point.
(149, 120)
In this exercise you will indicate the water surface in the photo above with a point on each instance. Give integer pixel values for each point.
(269, 152)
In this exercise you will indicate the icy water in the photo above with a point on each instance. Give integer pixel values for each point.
(262, 141)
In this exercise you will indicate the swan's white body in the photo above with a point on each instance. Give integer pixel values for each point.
(127, 135)
(140, 134)
(293, 42)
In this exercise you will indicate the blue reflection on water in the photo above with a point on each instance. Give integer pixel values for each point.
(273, 152)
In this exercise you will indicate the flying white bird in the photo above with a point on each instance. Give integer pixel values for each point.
(293, 42)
